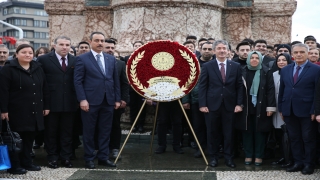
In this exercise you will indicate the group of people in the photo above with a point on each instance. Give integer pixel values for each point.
(244, 93)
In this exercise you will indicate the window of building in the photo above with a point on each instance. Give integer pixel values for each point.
(236, 3)
(36, 35)
(23, 22)
(17, 22)
(16, 10)
(5, 11)
(44, 44)
(24, 34)
(36, 23)
(23, 11)
(43, 35)
(36, 45)
(43, 24)
(16, 33)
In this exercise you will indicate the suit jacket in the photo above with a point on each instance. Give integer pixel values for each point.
(266, 60)
(61, 86)
(212, 90)
(299, 96)
(124, 84)
(90, 82)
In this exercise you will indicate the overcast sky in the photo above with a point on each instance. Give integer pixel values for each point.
(305, 21)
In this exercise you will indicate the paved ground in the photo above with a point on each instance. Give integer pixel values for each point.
(137, 164)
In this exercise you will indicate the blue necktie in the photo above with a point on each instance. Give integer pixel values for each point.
(100, 64)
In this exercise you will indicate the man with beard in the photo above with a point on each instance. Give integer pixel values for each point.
(243, 50)
(261, 46)
(115, 135)
(4, 54)
(200, 42)
(283, 48)
(83, 47)
(310, 41)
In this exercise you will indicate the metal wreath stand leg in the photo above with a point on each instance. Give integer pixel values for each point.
(154, 127)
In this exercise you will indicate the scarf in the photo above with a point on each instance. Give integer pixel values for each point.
(256, 80)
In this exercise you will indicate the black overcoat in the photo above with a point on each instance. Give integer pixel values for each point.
(24, 95)
(266, 99)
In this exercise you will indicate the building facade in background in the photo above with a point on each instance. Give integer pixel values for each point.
(30, 16)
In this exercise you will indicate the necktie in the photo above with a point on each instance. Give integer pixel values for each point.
(223, 74)
(100, 63)
(63, 65)
(296, 75)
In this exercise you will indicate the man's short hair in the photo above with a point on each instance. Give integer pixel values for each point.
(248, 40)
(270, 47)
(93, 33)
(276, 45)
(243, 43)
(295, 42)
(224, 42)
(309, 38)
(114, 39)
(137, 42)
(189, 42)
(61, 37)
(191, 37)
(83, 42)
(206, 43)
(301, 45)
(4, 46)
(202, 39)
(211, 39)
(260, 41)
(318, 45)
(111, 41)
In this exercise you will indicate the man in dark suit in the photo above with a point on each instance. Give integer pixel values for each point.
(58, 67)
(97, 87)
(220, 95)
(296, 105)
(115, 136)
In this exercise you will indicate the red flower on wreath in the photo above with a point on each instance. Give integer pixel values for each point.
(140, 68)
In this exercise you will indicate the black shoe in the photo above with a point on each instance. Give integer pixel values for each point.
(295, 168)
(135, 129)
(107, 163)
(36, 146)
(213, 163)
(17, 171)
(197, 154)
(32, 167)
(89, 165)
(307, 170)
(286, 165)
(230, 163)
(141, 129)
(178, 150)
(53, 164)
(280, 161)
(160, 150)
(66, 163)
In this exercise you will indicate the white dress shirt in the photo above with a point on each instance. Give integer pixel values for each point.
(60, 60)
(225, 65)
(101, 58)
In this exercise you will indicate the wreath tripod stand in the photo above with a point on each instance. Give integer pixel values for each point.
(154, 126)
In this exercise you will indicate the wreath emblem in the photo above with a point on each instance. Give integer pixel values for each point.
(163, 74)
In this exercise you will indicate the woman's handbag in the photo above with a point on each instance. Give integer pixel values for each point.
(12, 140)
(4, 156)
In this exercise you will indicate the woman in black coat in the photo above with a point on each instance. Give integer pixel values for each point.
(24, 101)
(259, 104)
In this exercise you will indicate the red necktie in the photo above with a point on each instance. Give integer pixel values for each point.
(63, 66)
(296, 75)
(223, 74)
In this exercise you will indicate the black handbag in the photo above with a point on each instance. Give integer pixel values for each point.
(12, 140)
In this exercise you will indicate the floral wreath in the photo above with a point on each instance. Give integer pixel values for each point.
(163, 71)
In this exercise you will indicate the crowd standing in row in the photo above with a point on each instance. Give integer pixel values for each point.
(52, 97)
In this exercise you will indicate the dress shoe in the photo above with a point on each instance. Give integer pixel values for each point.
(230, 163)
(286, 165)
(295, 168)
(141, 129)
(36, 146)
(197, 154)
(307, 170)
(248, 161)
(66, 163)
(115, 153)
(280, 161)
(258, 162)
(90, 165)
(178, 150)
(32, 167)
(53, 164)
(17, 171)
(107, 163)
(213, 163)
(160, 150)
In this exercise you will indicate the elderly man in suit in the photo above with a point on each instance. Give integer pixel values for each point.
(97, 87)
(220, 96)
(296, 105)
(58, 67)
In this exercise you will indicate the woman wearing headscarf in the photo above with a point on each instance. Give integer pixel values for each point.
(282, 60)
(255, 121)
